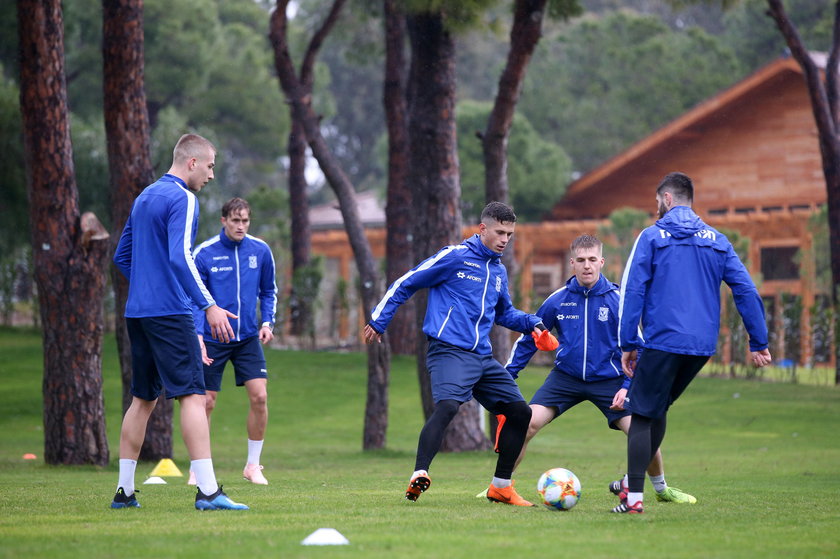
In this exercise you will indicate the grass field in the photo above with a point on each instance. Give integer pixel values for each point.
(762, 458)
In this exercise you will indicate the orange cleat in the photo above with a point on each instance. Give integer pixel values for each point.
(418, 484)
(507, 495)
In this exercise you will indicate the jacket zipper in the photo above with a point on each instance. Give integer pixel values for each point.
(483, 301)
(238, 296)
(442, 326)
(585, 330)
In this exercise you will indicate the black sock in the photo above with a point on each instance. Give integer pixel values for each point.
(638, 452)
(512, 436)
(657, 434)
(431, 437)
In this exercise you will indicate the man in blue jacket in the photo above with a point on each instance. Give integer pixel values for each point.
(587, 367)
(154, 253)
(468, 292)
(238, 269)
(671, 286)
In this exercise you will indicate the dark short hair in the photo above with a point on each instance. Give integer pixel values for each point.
(679, 185)
(498, 211)
(234, 206)
(585, 241)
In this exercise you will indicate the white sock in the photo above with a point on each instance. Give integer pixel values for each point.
(423, 473)
(658, 483)
(500, 483)
(254, 451)
(633, 498)
(205, 477)
(126, 481)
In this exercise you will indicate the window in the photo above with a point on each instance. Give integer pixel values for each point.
(546, 278)
(779, 263)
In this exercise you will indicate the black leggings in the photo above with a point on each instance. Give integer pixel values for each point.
(644, 438)
(511, 437)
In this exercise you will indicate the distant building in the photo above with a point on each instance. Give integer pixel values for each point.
(753, 154)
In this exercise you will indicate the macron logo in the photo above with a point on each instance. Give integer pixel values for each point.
(472, 264)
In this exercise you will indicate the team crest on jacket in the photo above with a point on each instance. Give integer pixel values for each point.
(252, 261)
(498, 283)
(603, 314)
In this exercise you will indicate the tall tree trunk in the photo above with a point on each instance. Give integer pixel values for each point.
(434, 180)
(824, 91)
(130, 168)
(69, 251)
(299, 306)
(398, 210)
(525, 33)
(299, 96)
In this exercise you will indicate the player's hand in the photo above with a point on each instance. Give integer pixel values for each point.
(544, 340)
(761, 358)
(618, 399)
(217, 318)
(628, 362)
(370, 334)
(266, 335)
(204, 358)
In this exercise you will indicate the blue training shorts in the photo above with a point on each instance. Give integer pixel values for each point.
(562, 392)
(164, 355)
(458, 374)
(659, 380)
(247, 358)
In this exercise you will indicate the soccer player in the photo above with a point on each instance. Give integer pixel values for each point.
(587, 367)
(238, 270)
(468, 292)
(154, 254)
(671, 285)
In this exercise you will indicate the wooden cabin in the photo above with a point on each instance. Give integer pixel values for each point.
(753, 155)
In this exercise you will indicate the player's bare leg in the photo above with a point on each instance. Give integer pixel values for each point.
(132, 434)
(257, 422)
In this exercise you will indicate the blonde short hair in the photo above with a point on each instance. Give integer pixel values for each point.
(191, 145)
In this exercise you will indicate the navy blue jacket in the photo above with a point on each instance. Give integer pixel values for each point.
(238, 274)
(671, 286)
(586, 322)
(468, 292)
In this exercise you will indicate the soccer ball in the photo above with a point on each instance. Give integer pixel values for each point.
(559, 489)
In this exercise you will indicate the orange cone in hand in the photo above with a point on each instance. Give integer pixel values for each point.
(545, 341)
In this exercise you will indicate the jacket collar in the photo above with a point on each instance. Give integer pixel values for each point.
(603, 285)
(227, 242)
(479, 248)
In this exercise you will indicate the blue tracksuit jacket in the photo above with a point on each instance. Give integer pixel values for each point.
(468, 292)
(237, 274)
(155, 252)
(671, 286)
(586, 322)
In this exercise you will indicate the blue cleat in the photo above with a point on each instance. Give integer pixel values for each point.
(216, 501)
(123, 501)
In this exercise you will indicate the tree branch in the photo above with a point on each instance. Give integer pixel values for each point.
(826, 124)
(307, 66)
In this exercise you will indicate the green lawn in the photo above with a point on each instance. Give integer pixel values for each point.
(762, 458)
